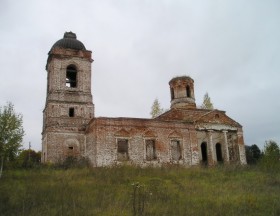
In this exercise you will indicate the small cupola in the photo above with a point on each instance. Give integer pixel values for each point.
(182, 92)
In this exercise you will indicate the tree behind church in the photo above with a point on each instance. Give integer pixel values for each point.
(156, 109)
(207, 104)
(253, 154)
(271, 156)
(11, 134)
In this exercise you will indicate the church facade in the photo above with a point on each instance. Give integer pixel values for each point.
(183, 135)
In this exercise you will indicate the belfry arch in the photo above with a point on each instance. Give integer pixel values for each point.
(71, 76)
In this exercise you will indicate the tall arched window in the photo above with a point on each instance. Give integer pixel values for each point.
(71, 76)
(188, 90)
(176, 152)
(172, 93)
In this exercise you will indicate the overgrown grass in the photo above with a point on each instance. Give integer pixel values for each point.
(135, 191)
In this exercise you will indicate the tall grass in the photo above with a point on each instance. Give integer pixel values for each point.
(135, 191)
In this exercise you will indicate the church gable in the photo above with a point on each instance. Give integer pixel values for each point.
(173, 114)
(186, 115)
(216, 117)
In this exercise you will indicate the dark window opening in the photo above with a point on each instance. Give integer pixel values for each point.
(150, 150)
(172, 93)
(219, 152)
(188, 90)
(70, 148)
(176, 154)
(217, 116)
(122, 149)
(71, 112)
(204, 152)
(71, 77)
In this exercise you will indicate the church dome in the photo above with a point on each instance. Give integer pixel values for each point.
(69, 41)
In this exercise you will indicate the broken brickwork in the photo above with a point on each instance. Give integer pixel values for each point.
(183, 135)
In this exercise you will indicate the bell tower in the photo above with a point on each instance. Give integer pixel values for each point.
(182, 92)
(69, 105)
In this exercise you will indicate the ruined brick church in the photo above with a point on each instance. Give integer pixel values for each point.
(183, 135)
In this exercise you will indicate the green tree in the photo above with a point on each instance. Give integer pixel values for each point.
(271, 156)
(253, 154)
(207, 104)
(156, 109)
(11, 134)
(29, 158)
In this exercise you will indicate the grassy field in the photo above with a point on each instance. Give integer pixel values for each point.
(134, 191)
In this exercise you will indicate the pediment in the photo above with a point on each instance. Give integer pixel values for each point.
(122, 133)
(175, 134)
(149, 133)
(216, 117)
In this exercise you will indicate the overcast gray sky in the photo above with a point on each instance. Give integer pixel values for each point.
(230, 48)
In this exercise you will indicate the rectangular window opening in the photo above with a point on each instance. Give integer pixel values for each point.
(70, 148)
(122, 149)
(71, 112)
(150, 150)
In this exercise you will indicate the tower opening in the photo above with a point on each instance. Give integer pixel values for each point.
(204, 152)
(188, 91)
(71, 76)
(172, 93)
(71, 112)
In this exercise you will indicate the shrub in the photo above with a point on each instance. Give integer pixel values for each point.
(253, 154)
(73, 162)
(29, 158)
(271, 156)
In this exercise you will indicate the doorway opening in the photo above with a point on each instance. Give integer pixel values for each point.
(204, 152)
(219, 152)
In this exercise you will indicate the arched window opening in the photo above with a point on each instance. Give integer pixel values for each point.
(204, 152)
(176, 152)
(150, 150)
(188, 90)
(219, 152)
(172, 93)
(71, 76)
